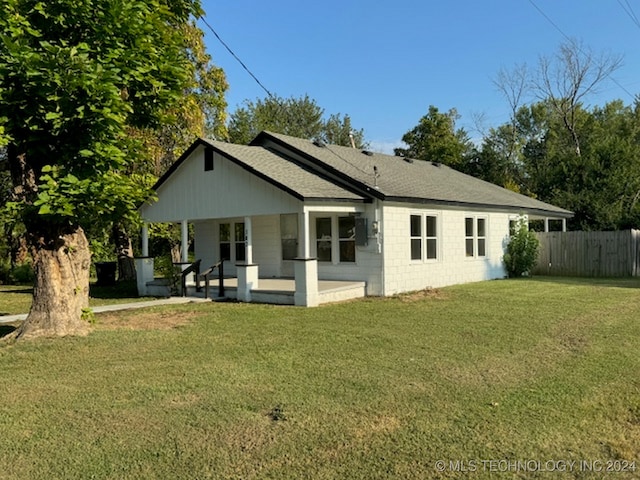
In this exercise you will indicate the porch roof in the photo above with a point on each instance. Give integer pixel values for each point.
(274, 168)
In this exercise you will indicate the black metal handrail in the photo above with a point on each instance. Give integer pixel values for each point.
(209, 271)
(195, 269)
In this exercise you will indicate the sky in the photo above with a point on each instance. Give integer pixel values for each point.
(385, 62)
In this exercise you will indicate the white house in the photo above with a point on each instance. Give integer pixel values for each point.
(284, 207)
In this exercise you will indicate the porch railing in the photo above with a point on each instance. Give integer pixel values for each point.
(207, 273)
(195, 269)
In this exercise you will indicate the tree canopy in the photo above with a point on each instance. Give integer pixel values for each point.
(75, 77)
(299, 117)
(437, 139)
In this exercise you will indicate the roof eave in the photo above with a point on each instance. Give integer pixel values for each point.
(485, 206)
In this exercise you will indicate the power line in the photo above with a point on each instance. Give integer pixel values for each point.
(356, 167)
(574, 43)
(235, 56)
(629, 11)
(551, 21)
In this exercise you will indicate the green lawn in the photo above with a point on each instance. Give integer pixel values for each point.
(16, 299)
(499, 378)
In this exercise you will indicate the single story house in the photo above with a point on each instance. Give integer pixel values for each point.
(285, 207)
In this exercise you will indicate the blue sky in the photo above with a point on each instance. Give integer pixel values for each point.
(385, 62)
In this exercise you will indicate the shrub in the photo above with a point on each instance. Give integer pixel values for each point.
(5, 271)
(23, 274)
(522, 251)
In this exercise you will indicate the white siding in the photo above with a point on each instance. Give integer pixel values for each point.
(452, 267)
(368, 265)
(226, 191)
(206, 243)
(266, 245)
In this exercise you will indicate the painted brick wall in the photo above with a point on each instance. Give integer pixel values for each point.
(452, 266)
(368, 265)
(401, 274)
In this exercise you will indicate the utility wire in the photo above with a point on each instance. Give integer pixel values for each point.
(236, 57)
(573, 42)
(629, 11)
(356, 167)
(273, 96)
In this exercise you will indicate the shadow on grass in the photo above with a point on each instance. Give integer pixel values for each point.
(119, 290)
(28, 290)
(6, 330)
(618, 282)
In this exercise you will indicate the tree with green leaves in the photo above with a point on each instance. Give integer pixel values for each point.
(437, 139)
(299, 117)
(75, 77)
(601, 185)
(200, 112)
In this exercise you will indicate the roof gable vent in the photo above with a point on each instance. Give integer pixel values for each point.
(319, 143)
(408, 160)
(368, 153)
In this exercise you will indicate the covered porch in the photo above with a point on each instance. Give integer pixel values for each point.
(271, 258)
(268, 218)
(281, 291)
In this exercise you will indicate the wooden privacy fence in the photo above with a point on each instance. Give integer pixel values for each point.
(589, 254)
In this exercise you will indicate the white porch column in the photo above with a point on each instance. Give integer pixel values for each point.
(144, 265)
(145, 239)
(306, 274)
(144, 274)
(247, 272)
(184, 239)
(304, 242)
(546, 224)
(564, 224)
(247, 280)
(305, 267)
(248, 240)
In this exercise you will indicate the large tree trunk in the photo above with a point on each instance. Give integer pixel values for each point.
(61, 289)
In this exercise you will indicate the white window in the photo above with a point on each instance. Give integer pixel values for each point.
(475, 236)
(225, 241)
(347, 239)
(240, 242)
(323, 239)
(432, 237)
(235, 247)
(289, 236)
(416, 237)
(336, 239)
(424, 237)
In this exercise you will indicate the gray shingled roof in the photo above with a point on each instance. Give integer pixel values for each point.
(400, 179)
(283, 172)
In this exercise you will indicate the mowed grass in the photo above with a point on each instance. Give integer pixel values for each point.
(16, 299)
(538, 370)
